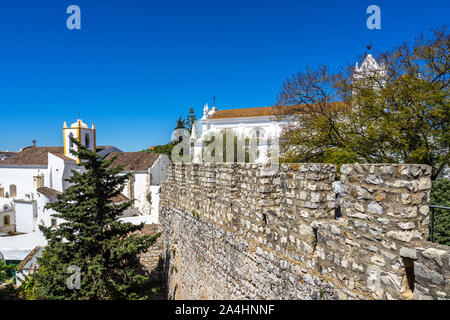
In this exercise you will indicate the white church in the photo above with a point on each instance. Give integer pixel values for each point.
(33, 177)
(262, 122)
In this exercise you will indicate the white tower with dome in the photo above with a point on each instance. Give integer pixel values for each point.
(81, 132)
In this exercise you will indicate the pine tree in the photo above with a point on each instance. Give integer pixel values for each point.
(92, 238)
(180, 124)
(191, 118)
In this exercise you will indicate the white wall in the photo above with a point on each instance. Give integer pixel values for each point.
(22, 177)
(242, 125)
(59, 170)
(154, 215)
(55, 172)
(268, 127)
(44, 216)
(159, 170)
(26, 214)
(141, 189)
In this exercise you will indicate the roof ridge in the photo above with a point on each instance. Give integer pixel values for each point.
(28, 257)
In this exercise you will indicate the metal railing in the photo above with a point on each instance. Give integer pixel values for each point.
(433, 207)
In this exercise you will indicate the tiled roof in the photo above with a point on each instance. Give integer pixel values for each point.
(120, 198)
(262, 111)
(244, 113)
(49, 193)
(33, 155)
(133, 160)
(5, 155)
(38, 155)
(52, 193)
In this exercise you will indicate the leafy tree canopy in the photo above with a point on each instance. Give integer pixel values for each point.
(399, 114)
(440, 195)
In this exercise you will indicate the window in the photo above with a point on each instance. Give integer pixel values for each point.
(2, 192)
(54, 223)
(86, 140)
(70, 140)
(38, 181)
(13, 191)
(6, 220)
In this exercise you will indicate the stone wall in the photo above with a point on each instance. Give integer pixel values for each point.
(235, 231)
(152, 259)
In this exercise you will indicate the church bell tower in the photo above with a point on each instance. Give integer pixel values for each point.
(81, 132)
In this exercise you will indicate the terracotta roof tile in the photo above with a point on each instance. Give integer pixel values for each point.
(120, 198)
(262, 111)
(49, 193)
(52, 193)
(244, 113)
(133, 160)
(38, 155)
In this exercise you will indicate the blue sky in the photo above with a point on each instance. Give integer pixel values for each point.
(135, 66)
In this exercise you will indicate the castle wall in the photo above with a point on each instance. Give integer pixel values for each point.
(240, 232)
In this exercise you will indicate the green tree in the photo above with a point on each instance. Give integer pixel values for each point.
(164, 149)
(440, 195)
(6, 271)
(190, 120)
(92, 238)
(180, 123)
(399, 114)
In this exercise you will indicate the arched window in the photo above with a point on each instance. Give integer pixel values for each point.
(2, 192)
(257, 133)
(6, 220)
(86, 140)
(13, 191)
(70, 140)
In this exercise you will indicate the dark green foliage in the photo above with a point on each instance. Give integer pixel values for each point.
(92, 238)
(26, 289)
(6, 271)
(180, 124)
(8, 291)
(164, 149)
(191, 118)
(440, 196)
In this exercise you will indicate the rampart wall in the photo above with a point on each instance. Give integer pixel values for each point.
(236, 231)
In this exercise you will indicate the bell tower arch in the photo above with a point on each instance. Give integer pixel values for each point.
(82, 133)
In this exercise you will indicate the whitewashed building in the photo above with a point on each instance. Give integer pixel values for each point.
(33, 177)
(261, 123)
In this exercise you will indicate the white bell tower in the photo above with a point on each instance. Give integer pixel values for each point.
(81, 132)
